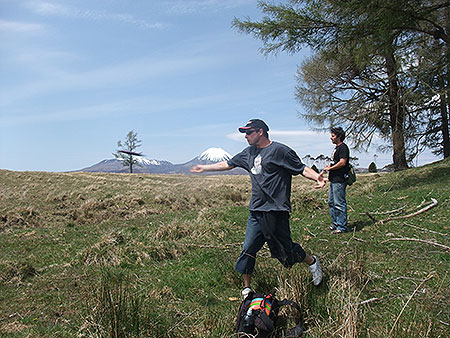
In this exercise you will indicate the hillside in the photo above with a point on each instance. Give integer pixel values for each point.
(100, 255)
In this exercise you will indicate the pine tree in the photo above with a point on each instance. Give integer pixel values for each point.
(130, 144)
(362, 50)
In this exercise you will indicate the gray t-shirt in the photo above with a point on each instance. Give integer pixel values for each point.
(271, 169)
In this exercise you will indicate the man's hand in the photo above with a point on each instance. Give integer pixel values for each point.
(312, 175)
(321, 181)
(196, 169)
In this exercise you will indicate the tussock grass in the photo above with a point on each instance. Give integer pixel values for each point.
(119, 310)
(119, 255)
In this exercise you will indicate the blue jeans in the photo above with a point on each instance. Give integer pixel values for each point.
(338, 205)
(271, 227)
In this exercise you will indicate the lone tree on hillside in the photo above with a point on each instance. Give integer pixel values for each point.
(130, 144)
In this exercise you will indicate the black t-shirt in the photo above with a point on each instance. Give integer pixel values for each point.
(341, 151)
(271, 169)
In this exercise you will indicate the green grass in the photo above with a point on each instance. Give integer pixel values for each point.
(118, 255)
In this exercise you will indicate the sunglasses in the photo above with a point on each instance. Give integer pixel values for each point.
(250, 131)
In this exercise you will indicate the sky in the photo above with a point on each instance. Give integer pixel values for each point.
(78, 75)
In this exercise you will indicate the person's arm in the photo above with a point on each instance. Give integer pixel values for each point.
(312, 175)
(342, 162)
(219, 166)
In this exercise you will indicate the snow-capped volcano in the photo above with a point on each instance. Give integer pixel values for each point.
(214, 155)
(145, 161)
(153, 166)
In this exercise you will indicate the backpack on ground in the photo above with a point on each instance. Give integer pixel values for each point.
(350, 176)
(258, 314)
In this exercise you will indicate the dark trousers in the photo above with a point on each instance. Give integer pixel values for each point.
(271, 227)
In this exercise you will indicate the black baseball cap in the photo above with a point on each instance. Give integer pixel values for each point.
(255, 124)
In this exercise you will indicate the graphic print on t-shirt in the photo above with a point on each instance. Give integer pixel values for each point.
(332, 157)
(257, 167)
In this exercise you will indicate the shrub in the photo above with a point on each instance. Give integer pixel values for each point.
(372, 167)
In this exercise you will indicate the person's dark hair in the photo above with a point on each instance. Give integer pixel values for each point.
(339, 132)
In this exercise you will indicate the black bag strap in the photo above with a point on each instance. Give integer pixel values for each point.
(289, 302)
(297, 330)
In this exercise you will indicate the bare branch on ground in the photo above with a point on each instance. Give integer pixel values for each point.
(418, 240)
(433, 203)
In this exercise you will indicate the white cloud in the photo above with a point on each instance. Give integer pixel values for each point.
(128, 73)
(47, 8)
(137, 105)
(53, 9)
(80, 113)
(45, 59)
(287, 135)
(20, 27)
(183, 7)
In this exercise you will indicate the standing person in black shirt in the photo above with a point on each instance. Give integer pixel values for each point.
(338, 183)
(271, 166)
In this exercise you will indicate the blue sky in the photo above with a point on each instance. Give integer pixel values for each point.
(77, 76)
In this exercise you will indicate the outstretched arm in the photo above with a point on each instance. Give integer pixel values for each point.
(312, 175)
(219, 166)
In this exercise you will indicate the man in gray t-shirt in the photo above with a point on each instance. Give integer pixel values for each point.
(271, 166)
(271, 169)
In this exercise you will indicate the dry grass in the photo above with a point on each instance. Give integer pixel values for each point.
(344, 283)
(77, 245)
(79, 198)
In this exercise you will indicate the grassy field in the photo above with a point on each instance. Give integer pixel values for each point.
(119, 255)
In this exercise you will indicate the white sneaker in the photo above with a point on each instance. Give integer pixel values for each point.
(245, 292)
(316, 271)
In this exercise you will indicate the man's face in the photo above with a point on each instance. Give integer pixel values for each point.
(334, 138)
(252, 136)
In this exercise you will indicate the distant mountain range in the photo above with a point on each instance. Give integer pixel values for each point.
(211, 155)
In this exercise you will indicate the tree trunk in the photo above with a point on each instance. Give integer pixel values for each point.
(445, 106)
(396, 115)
